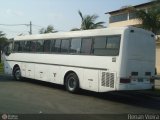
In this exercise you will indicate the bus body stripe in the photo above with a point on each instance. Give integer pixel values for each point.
(59, 65)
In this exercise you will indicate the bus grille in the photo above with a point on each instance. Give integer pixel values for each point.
(107, 79)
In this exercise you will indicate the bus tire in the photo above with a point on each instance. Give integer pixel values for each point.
(17, 74)
(72, 83)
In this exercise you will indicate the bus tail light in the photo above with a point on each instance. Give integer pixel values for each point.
(125, 80)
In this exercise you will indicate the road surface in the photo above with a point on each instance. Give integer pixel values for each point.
(35, 97)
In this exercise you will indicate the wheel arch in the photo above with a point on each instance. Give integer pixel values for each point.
(67, 73)
(15, 66)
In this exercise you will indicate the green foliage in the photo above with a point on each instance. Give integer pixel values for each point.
(75, 29)
(49, 29)
(3, 38)
(1, 68)
(88, 22)
(151, 19)
(3, 41)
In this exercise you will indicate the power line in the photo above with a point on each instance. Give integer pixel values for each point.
(37, 26)
(20, 25)
(14, 24)
(30, 26)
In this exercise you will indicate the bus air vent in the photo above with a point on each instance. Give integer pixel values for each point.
(112, 80)
(103, 82)
(107, 79)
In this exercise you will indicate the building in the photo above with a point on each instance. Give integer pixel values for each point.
(158, 56)
(127, 17)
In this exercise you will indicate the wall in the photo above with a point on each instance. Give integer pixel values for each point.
(125, 23)
(158, 58)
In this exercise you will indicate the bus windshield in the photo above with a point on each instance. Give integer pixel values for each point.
(8, 48)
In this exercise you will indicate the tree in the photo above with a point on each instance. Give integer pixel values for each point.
(88, 22)
(150, 19)
(49, 29)
(75, 29)
(3, 41)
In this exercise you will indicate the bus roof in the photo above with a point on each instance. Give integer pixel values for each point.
(73, 34)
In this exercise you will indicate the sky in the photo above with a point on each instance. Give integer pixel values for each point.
(62, 14)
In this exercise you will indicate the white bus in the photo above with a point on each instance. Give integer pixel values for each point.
(100, 60)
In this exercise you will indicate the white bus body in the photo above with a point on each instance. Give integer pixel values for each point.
(131, 67)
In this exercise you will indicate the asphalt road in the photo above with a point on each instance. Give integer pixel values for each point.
(34, 97)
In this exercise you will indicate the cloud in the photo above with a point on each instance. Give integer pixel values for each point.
(55, 15)
(11, 12)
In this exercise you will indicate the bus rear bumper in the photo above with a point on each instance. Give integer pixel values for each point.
(140, 86)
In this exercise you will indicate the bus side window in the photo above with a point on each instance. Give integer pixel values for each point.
(21, 45)
(86, 46)
(113, 42)
(56, 46)
(39, 45)
(99, 47)
(75, 45)
(113, 45)
(106, 46)
(65, 44)
(26, 47)
(52, 45)
(16, 46)
(32, 46)
(47, 45)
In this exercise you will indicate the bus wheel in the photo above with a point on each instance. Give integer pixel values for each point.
(17, 73)
(72, 83)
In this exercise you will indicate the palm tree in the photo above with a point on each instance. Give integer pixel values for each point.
(3, 41)
(49, 29)
(88, 22)
(151, 19)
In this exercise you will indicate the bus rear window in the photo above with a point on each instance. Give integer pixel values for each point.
(106, 46)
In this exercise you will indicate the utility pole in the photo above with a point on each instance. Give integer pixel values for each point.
(30, 25)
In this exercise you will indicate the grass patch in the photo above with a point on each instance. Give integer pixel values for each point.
(1, 68)
(157, 91)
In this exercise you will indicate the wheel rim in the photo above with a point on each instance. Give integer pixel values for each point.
(71, 83)
(18, 74)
